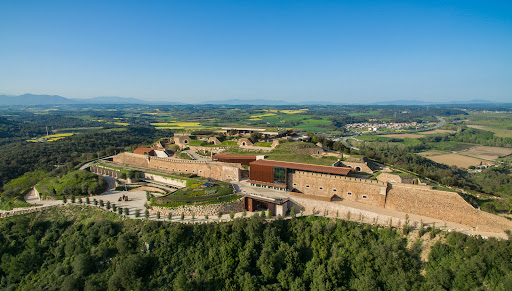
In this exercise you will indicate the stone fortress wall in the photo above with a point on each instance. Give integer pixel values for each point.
(215, 170)
(423, 200)
(407, 198)
(352, 189)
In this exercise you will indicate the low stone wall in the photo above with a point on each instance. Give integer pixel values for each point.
(105, 171)
(214, 150)
(394, 178)
(166, 180)
(18, 211)
(199, 210)
(37, 193)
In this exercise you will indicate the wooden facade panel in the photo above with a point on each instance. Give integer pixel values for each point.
(262, 173)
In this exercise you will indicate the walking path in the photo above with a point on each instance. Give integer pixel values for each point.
(196, 156)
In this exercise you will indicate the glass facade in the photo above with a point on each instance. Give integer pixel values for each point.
(279, 175)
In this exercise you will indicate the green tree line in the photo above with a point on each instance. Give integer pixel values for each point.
(78, 248)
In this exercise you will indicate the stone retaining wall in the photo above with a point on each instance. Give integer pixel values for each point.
(331, 208)
(199, 210)
(442, 205)
(166, 180)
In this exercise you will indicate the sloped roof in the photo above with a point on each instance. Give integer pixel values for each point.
(237, 157)
(143, 150)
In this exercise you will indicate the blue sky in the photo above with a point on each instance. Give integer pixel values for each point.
(190, 51)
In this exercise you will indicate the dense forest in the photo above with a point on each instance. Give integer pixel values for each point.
(23, 164)
(79, 248)
(472, 135)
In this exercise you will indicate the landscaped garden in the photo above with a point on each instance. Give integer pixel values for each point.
(198, 194)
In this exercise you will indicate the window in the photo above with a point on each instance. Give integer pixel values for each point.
(365, 197)
(307, 186)
(334, 190)
(320, 188)
(279, 175)
(294, 184)
(349, 193)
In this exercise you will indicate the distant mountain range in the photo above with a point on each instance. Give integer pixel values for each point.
(32, 99)
(418, 102)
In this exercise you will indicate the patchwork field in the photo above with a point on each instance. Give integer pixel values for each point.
(499, 123)
(453, 159)
(178, 125)
(488, 153)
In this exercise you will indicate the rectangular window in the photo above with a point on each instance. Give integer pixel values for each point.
(320, 188)
(307, 186)
(349, 193)
(364, 196)
(334, 190)
(279, 175)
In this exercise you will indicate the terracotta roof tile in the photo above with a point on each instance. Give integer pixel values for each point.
(230, 156)
(142, 150)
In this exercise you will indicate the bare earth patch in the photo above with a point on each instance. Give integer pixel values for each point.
(432, 153)
(488, 153)
(436, 131)
(457, 160)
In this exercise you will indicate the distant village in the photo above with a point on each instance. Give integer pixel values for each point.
(375, 127)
